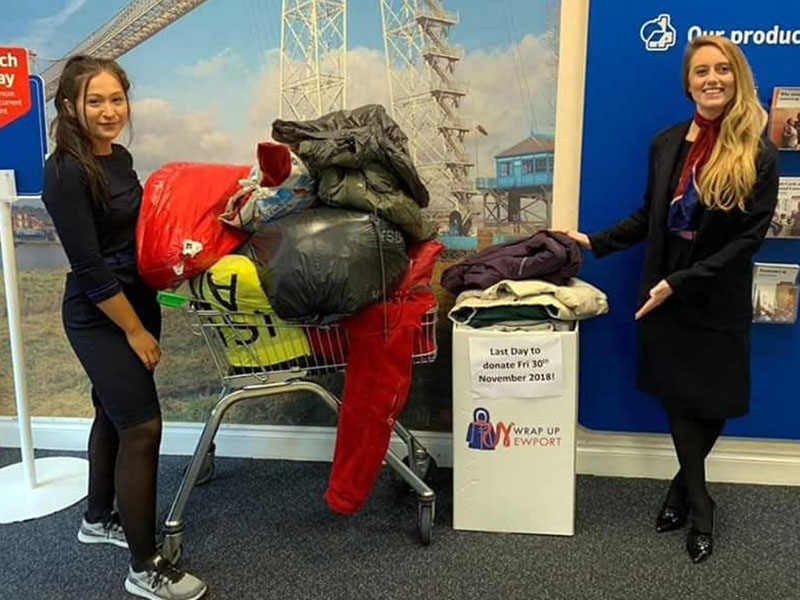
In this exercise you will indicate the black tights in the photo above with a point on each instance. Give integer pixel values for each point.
(124, 462)
(103, 447)
(693, 439)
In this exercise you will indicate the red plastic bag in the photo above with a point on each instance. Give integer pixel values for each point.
(179, 234)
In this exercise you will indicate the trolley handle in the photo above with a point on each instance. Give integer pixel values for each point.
(171, 299)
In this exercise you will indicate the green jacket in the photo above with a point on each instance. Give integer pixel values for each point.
(375, 189)
(352, 139)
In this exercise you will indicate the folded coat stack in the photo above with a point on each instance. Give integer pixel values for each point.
(526, 284)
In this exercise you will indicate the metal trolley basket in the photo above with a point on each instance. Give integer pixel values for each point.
(283, 366)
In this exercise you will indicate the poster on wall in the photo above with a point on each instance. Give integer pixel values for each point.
(784, 118)
(786, 220)
(775, 293)
(213, 98)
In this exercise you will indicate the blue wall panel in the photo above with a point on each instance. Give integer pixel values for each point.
(631, 93)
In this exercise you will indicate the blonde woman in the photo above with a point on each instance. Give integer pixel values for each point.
(711, 191)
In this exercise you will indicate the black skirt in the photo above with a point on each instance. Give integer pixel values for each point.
(120, 382)
(694, 370)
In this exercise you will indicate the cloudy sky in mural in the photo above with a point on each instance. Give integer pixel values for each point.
(206, 87)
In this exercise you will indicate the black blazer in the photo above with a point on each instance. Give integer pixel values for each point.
(715, 290)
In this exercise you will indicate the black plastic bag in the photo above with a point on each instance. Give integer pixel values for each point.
(322, 264)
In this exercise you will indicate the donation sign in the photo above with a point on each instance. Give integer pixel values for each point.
(516, 367)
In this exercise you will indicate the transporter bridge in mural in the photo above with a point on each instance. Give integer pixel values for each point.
(132, 25)
(425, 98)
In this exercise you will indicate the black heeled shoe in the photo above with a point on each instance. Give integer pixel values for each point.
(671, 518)
(700, 545)
(675, 510)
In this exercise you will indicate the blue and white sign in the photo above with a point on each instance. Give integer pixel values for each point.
(23, 144)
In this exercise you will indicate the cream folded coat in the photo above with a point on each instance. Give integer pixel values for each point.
(573, 302)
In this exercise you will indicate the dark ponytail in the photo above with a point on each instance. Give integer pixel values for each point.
(70, 135)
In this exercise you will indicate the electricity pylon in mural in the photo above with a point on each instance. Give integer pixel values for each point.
(313, 61)
(133, 24)
(425, 101)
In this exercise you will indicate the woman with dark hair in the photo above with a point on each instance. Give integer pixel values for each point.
(111, 318)
(711, 193)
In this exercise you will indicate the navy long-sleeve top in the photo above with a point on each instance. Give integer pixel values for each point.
(99, 240)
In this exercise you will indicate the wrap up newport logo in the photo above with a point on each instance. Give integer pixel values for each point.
(482, 434)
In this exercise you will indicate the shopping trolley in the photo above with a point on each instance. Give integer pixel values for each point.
(294, 352)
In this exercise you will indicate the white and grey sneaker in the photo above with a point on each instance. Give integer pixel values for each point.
(108, 531)
(162, 581)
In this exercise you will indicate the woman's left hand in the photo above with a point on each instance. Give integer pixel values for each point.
(658, 294)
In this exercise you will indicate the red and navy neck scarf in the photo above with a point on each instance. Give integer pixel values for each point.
(686, 198)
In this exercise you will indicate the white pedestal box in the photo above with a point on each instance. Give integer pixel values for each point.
(514, 418)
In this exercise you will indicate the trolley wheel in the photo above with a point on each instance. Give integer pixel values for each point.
(426, 514)
(207, 470)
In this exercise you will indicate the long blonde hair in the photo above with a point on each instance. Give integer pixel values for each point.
(729, 176)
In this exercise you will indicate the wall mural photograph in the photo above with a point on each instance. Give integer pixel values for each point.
(471, 84)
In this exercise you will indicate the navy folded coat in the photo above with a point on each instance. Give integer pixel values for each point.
(545, 255)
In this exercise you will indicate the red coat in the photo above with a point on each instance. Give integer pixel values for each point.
(383, 338)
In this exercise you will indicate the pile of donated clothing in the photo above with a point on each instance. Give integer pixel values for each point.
(523, 285)
(326, 228)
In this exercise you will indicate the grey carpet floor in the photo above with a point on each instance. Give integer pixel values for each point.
(260, 529)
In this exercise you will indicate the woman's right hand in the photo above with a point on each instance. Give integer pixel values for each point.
(580, 238)
(145, 346)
